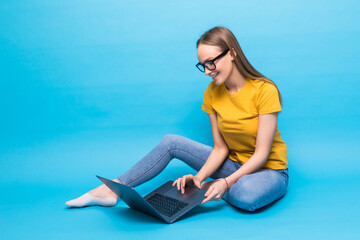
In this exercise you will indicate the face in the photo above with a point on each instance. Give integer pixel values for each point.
(224, 65)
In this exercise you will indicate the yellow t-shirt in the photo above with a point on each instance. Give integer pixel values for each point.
(238, 117)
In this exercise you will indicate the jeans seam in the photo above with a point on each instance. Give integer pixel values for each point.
(167, 150)
(200, 157)
(286, 178)
(147, 169)
(121, 181)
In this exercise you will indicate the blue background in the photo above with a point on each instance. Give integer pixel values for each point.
(89, 87)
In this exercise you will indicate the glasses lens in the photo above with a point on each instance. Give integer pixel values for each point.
(210, 65)
(200, 67)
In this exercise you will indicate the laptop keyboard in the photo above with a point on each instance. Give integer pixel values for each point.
(166, 205)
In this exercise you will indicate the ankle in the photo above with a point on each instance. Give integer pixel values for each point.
(102, 192)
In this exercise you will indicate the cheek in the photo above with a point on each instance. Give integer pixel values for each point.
(226, 69)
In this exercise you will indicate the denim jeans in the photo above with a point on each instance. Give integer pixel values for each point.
(249, 193)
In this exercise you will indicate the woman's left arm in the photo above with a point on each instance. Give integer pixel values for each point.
(264, 139)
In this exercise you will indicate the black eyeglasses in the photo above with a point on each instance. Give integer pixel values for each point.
(210, 64)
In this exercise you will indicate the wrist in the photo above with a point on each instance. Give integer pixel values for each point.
(227, 184)
(199, 177)
(230, 181)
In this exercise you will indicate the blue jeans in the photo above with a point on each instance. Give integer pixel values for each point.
(249, 193)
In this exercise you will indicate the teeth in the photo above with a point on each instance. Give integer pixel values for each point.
(215, 75)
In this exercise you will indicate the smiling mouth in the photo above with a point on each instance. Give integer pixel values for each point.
(214, 75)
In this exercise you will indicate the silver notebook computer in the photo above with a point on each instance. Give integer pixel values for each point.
(165, 203)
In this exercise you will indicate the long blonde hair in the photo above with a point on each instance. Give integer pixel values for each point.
(223, 38)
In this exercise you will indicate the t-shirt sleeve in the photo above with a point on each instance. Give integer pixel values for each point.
(206, 105)
(268, 99)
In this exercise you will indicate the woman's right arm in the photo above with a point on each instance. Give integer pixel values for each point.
(213, 162)
(217, 155)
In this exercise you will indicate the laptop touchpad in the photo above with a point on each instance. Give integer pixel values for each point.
(174, 193)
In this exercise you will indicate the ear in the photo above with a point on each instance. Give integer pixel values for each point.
(233, 54)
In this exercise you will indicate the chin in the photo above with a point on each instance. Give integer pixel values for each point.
(217, 82)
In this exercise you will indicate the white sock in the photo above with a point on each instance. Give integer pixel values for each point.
(89, 200)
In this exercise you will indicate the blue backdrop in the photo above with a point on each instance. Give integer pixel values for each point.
(89, 87)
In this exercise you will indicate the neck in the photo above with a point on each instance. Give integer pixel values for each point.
(235, 82)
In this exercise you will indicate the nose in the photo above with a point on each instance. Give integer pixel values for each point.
(207, 71)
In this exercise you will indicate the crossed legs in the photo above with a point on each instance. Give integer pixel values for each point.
(249, 192)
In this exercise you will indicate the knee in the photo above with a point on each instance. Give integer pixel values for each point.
(170, 139)
(247, 203)
(248, 195)
(243, 196)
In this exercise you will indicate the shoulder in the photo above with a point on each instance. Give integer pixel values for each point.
(263, 86)
(260, 84)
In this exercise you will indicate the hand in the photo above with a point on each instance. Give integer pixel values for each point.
(180, 182)
(215, 190)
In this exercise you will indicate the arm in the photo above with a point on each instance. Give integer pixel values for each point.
(218, 154)
(213, 162)
(264, 138)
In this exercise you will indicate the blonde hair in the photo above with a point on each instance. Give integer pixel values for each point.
(223, 38)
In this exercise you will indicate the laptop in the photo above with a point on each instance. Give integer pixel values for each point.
(165, 203)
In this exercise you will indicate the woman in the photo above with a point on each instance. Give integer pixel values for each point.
(249, 158)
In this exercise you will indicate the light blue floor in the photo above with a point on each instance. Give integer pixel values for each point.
(88, 87)
(40, 178)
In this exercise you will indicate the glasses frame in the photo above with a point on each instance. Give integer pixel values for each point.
(211, 61)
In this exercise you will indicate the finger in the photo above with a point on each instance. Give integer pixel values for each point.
(218, 198)
(208, 192)
(187, 178)
(178, 184)
(175, 182)
(209, 198)
(204, 201)
(183, 181)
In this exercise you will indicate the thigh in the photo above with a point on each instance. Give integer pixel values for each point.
(258, 189)
(195, 154)
(172, 146)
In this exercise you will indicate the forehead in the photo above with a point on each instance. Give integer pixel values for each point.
(206, 52)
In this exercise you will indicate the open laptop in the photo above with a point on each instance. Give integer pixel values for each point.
(166, 202)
